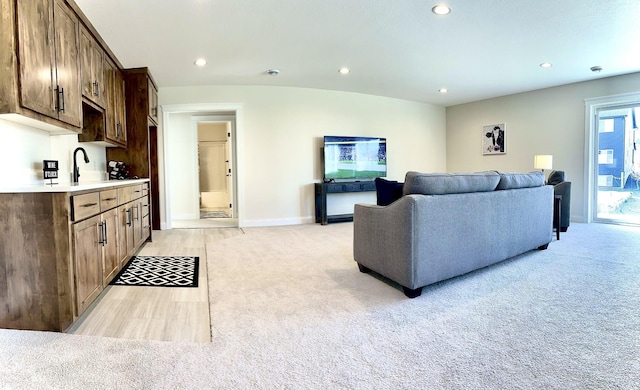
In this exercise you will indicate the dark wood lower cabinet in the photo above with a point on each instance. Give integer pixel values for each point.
(87, 237)
(56, 259)
(36, 272)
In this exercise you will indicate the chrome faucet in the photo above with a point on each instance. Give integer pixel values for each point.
(76, 170)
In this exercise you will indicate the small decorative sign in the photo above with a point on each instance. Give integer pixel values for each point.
(50, 170)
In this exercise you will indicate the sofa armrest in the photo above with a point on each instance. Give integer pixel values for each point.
(382, 238)
(564, 189)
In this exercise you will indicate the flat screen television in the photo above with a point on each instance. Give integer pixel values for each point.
(354, 157)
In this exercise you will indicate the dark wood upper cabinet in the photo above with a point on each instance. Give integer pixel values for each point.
(67, 30)
(107, 126)
(141, 151)
(93, 79)
(153, 101)
(116, 120)
(37, 56)
(54, 72)
(48, 60)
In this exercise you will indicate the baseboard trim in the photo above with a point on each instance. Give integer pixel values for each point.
(277, 222)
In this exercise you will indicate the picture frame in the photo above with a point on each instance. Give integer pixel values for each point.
(494, 139)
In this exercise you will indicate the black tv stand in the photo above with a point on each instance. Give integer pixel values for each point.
(322, 189)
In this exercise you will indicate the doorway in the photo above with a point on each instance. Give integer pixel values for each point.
(180, 198)
(215, 169)
(615, 167)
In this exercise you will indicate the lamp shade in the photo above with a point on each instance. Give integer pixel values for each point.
(543, 161)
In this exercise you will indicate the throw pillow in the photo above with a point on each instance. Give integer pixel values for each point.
(387, 191)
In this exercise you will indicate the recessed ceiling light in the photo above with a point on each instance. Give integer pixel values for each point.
(273, 72)
(344, 70)
(200, 62)
(443, 90)
(441, 9)
(546, 65)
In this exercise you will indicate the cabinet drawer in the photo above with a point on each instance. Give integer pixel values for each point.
(146, 221)
(85, 205)
(108, 199)
(353, 187)
(125, 195)
(136, 191)
(334, 188)
(145, 189)
(369, 186)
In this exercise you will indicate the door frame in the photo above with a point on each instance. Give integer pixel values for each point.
(592, 106)
(204, 109)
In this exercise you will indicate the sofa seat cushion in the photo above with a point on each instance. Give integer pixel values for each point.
(449, 183)
(387, 191)
(510, 181)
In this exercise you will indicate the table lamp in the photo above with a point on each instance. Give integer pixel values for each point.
(543, 161)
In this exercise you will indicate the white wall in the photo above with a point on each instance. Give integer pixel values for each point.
(183, 141)
(281, 136)
(23, 148)
(547, 121)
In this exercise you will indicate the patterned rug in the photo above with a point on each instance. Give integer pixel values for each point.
(159, 271)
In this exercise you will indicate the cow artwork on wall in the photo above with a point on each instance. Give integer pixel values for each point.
(493, 139)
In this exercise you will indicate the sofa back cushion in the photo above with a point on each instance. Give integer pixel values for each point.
(449, 183)
(510, 181)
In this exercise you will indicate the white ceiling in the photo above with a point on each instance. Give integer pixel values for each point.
(394, 48)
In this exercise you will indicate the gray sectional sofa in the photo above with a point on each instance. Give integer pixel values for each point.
(446, 225)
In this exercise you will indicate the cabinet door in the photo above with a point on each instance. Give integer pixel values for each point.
(37, 56)
(137, 222)
(87, 261)
(153, 101)
(115, 113)
(110, 259)
(110, 79)
(86, 63)
(92, 68)
(146, 218)
(98, 74)
(121, 128)
(69, 99)
(125, 233)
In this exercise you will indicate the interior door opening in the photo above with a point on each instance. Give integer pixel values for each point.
(214, 169)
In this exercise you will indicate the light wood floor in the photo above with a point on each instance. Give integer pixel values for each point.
(158, 313)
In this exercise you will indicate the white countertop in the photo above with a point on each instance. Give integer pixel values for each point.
(68, 187)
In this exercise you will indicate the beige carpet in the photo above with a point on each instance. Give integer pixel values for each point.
(290, 310)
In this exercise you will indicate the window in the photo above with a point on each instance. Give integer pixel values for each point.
(605, 180)
(606, 125)
(605, 156)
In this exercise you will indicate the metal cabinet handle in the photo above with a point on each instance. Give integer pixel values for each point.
(89, 205)
(60, 99)
(101, 240)
(129, 219)
(104, 237)
(137, 215)
(96, 88)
